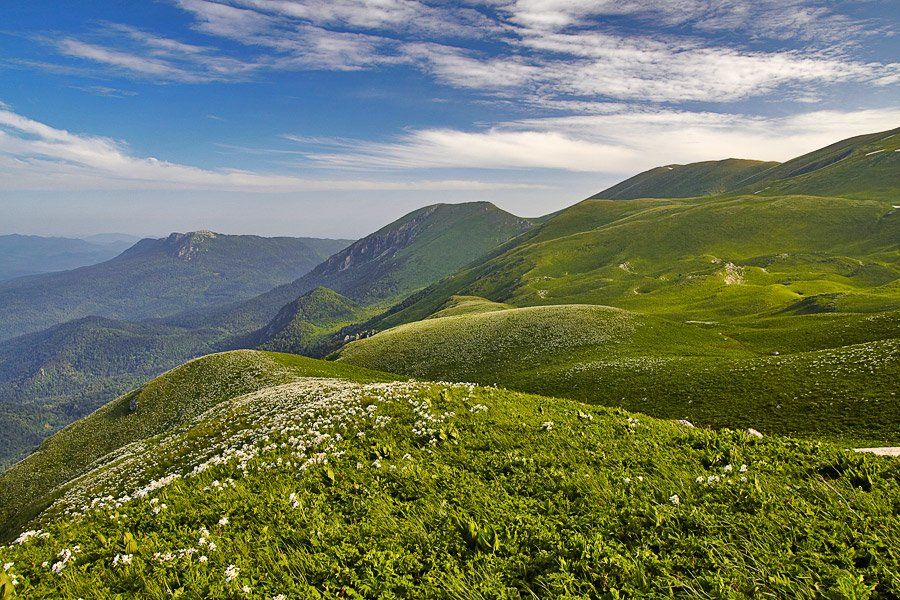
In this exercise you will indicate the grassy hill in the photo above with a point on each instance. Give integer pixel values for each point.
(22, 255)
(50, 378)
(686, 181)
(155, 278)
(306, 322)
(408, 254)
(414, 251)
(702, 372)
(254, 474)
(712, 259)
(864, 166)
(163, 404)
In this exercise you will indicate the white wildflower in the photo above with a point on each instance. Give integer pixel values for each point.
(122, 559)
(674, 499)
(547, 425)
(223, 521)
(743, 469)
(231, 573)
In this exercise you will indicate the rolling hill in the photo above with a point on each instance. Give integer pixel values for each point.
(793, 302)
(307, 321)
(702, 372)
(383, 267)
(707, 259)
(22, 255)
(686, 181)
(262, 474)
(156, 278)
(865, 166)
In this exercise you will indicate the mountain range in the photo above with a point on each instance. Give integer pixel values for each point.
(159, 277)
(22, 255)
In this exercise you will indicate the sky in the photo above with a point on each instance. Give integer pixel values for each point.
(334, 117)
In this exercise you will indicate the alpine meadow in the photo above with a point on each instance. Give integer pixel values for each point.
(399, 346)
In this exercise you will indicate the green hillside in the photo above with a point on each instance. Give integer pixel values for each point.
(241, 478)
(408, 254)
(156, 278)
(686, 181)
(300, 317)
(708, 374)
(693, 259)
(303, 324)
(796, 300)
(864, 166)
(162, 405)
(50, 378)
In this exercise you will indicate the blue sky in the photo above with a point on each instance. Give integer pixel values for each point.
(318, 117)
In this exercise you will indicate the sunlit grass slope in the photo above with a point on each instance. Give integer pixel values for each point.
(164, 403)
(337, 487)
(685, 181)
(709, 374)
(700, 259)
(866, 166)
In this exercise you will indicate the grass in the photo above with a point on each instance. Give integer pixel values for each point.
(711, 259)
(685, 181)
(339, 488)
(162, 404)
(722, 376)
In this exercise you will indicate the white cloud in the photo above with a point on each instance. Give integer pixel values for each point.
(549, 47)
(36, 156)
(623, 141)
(773, 19)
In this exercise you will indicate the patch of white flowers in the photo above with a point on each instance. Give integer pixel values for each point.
(122, 559)
(727, 470)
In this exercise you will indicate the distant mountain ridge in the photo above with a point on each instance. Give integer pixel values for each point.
(23, 255)
(401, 257)
(156, 278)
(53, 376)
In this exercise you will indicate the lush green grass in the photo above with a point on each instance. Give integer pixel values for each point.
(860, 167)
(163, 404)
(333, 488)
(158, 278)
(723, 376)
(693, 259)
(686, 181)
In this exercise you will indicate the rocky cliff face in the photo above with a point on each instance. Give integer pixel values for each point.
(185, 246)
(379, 245)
